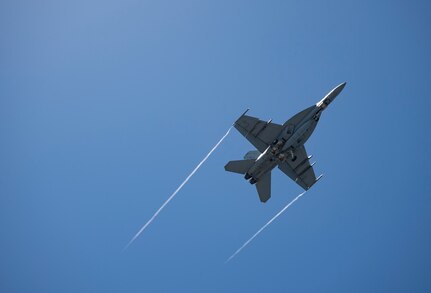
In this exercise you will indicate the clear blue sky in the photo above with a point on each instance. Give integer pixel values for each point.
(106, 106)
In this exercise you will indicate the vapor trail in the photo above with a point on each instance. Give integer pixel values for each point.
(266, 225)
(176, 191)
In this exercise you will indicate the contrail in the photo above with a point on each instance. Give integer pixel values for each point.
(266, 225)
(176, 191)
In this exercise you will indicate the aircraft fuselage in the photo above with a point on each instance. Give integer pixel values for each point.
(280, 146)
(289, 139)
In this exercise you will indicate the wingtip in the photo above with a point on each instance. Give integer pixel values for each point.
(248, 109)
(233, 124)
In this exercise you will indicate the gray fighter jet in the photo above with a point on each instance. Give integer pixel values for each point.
(280, 146)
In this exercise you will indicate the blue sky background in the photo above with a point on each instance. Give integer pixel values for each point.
(106, 106)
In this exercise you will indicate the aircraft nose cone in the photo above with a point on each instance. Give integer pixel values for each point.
(343, 85)
(336, 91)
(331, 96)
(339, 88)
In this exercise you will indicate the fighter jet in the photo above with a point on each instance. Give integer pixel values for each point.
(280, 146)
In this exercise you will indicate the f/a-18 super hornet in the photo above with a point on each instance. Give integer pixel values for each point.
(280, 146)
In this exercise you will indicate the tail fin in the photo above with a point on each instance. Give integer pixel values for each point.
(263, 187)
(241, 166)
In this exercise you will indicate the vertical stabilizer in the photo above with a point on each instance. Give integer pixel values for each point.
(263, 187)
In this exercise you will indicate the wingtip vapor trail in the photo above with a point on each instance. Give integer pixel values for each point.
(176, 191)
(263, 227)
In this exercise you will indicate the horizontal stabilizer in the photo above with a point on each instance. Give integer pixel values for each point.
(241, 166)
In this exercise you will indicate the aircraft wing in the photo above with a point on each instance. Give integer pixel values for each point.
(260, 133)
(300, 170)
